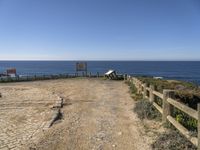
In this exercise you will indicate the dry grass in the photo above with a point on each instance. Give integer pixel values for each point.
(172, 140)
(145, 110)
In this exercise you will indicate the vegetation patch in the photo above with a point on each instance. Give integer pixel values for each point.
(186, 93)
(158, 101)
(133, 90)
(145, 110)
(184, 119)
(172, 140)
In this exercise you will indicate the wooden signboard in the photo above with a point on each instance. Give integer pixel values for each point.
(81, 66)
(11, 71)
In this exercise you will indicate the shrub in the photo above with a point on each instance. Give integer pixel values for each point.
(186, 93)
(172, 140)
(145, 110)
(133, 90)
(158, 101)
(184, 119)
(132, 87)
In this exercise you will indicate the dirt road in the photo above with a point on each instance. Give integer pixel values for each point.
(97, 115)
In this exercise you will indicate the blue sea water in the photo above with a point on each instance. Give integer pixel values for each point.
(179, 70)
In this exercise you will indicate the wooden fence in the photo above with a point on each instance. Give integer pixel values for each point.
(46, 77)
(167, 103)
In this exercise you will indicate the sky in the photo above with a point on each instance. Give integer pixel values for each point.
(99, 29)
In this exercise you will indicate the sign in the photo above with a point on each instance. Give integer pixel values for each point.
(81, 66)
(11, 71)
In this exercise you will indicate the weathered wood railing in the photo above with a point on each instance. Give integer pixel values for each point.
(46, 77)
(167, 103)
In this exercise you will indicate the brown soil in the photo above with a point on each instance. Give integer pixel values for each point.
(97, 114)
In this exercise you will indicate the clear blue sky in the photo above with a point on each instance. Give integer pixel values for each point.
(100, 29)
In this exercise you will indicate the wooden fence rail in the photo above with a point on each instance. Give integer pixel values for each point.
(45, 77)
(167, 103)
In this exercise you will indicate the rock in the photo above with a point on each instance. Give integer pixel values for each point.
(114, 145)
(119, 133)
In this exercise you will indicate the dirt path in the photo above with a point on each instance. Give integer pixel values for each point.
(97, 115)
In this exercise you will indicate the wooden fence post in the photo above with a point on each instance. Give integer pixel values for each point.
(166, 106)
(145, 90)
(17, 78)
(151, 95)
(198, 126)
(125, 77)
(133, 80)
(140, 87)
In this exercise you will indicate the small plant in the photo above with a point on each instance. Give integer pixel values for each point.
(145, 110)
(158, 101)
(133, 90)
(172, 140)
(184, 119)
(132, 87)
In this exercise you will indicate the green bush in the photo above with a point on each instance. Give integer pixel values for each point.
(184, 119)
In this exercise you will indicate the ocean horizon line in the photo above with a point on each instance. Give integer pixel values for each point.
(111, 60)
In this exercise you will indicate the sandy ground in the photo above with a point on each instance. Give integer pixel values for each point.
(97, 115)
(24, 113)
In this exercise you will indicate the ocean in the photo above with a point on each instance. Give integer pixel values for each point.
(179, 70)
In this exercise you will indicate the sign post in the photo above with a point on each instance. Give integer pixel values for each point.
(81, 67)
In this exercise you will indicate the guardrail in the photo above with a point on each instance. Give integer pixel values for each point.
(167, 103)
